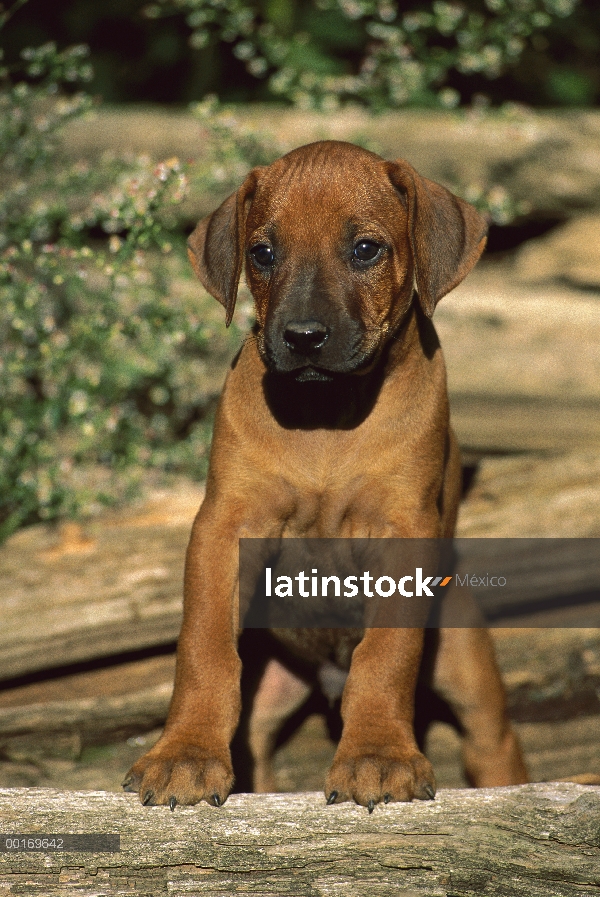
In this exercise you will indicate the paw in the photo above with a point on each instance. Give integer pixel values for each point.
(181, 774)
(382, 775)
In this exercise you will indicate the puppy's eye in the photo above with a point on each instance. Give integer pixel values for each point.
(263, 255)
(366, 252)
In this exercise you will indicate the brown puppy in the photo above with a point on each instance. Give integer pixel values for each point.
(333, 421)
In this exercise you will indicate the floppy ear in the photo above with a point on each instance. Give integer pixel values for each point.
(447, 235)
(216, 247)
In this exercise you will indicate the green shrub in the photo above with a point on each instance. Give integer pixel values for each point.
(103, 364)
(321, 53)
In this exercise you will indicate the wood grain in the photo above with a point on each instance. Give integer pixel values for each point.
(532, 840)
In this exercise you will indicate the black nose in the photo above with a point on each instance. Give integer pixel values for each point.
(305, 336)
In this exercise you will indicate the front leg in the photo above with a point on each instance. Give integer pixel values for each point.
(377, 758)
(192, 762)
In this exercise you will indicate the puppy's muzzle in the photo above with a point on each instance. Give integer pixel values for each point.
(305, 339)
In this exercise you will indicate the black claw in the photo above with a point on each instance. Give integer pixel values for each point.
(148, 796)
(387, 798)
(429, 792)
(172, 802)
(371, 806)
(216, 800)
(332, 798)
(127, 782)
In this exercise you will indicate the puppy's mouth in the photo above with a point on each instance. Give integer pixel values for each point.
(356, 360)
(312, 373)
(304, 375)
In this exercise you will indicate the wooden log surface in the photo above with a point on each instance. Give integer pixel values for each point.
(120, 588)
(529, 840)
(116, 589)
(516, 381)
(550, 675)
(127, 615)
(473, 151)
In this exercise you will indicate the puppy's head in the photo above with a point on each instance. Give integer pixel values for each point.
(334, 240)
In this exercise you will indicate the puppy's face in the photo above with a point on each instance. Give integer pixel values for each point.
(334, 239)
(328, 262)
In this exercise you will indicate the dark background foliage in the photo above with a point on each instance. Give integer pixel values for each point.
(138, 58)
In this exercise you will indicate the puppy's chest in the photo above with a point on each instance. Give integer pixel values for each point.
(336, 500)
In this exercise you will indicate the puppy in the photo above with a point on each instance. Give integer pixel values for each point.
(333, 422)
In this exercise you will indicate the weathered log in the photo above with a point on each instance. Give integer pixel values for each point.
(550, 674)
(515, 382)
(529, 840)
(552, 678)
(122, 591)
(64, 727)
(60, 716)
(570, 253)
(522, 423)
(473, 151)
